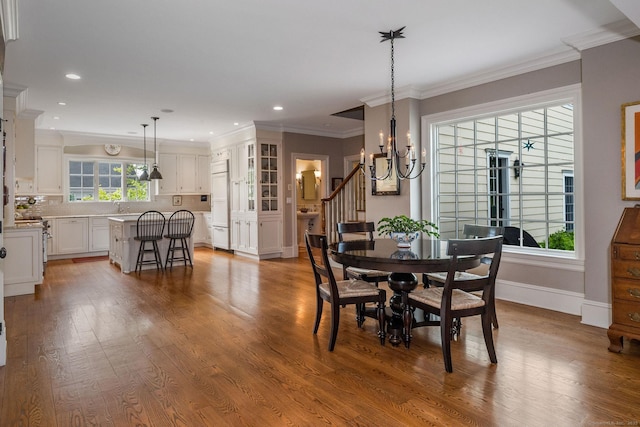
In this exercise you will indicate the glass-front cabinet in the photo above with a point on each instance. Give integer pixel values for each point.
(256, 211)
(269, 177)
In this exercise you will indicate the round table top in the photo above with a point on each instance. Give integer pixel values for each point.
(424, 255)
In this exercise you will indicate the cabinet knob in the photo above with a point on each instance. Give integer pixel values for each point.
(3, 252)
(637, 255)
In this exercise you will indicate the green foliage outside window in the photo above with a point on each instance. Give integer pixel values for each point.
(562, 239)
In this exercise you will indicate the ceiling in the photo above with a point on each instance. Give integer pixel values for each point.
(221, 65)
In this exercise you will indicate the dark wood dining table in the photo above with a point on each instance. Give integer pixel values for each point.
(424, 256)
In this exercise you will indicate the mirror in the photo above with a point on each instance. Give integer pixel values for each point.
(308, 185)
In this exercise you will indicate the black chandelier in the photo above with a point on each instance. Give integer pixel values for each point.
(393, 155)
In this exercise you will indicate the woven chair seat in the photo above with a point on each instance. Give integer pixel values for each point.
(460, 300)
(351, 288)
(366, 272)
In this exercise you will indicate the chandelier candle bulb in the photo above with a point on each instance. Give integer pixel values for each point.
(362, 156)
(371, 159)
(381, 140)
(424, 156)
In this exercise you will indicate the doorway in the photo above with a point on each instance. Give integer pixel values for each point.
(310, 173)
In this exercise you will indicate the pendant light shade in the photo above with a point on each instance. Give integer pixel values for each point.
(144, 176)
(155, 173)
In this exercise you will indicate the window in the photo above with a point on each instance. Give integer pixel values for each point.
(98, 180)
(512, 169)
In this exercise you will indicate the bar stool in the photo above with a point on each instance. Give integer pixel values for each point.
(149, 229)
(179, 230)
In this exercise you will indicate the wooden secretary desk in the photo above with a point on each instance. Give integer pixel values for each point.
(625, 279)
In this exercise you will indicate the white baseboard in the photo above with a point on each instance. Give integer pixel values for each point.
(596, 313)
(539, 296)
(289, 252)
(592, 312)
(3, 345)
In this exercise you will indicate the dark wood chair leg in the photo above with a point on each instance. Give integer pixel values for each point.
(488, 336)
(445, 336)
(381, 322)
(335, 322)
(407, 323)
(319, 305)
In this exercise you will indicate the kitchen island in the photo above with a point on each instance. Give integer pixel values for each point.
(123, 248)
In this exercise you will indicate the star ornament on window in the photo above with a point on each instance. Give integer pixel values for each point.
(528, 145)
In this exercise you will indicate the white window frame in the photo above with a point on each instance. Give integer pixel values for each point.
(570, 94)
(123, 161)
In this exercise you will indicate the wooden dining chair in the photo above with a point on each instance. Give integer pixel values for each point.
(339, 293)
(454, 299)
(470, 231)
(149, 229)
(360, 231)
(179, 230)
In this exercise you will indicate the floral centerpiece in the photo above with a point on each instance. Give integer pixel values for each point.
(404, 230)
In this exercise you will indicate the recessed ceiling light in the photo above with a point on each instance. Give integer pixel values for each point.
(210, 132)
(277, 108)
(56, 117)
(191, 139)
(167, 110)
(72, 76)
(52, 128)
(62, 103)
(236, 123)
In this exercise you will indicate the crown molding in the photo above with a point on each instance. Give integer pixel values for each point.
(498, 73)
(311, 130)
(609, 33)
(29, 114)
(382, 98)
(9, 16)
(81, 138)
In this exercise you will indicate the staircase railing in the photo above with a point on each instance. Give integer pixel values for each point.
(344, 204)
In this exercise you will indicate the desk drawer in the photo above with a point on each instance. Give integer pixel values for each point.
(627, 290)
(626, 313)
(626, 269)
(627, 252)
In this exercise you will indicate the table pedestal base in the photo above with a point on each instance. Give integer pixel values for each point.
(401, 284)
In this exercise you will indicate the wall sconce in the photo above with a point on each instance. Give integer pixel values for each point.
(299, 179)
(517, 168)
(316, 173)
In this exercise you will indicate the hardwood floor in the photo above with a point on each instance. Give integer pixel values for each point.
(230, 343)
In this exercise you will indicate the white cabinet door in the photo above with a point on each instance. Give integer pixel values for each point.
(187, 171)
(200, 230)
(48, 170)
(72, 235)
(168, 167)
(116, 242)
(270, 235)
(204, 163)
(98, 234)
(23, 263)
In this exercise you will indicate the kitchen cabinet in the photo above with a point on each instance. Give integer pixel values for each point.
(98, 234)
(24, 187)
(71, 235)
(255, 198)
(200, 234)
(203, 185)
(168, 167)
(116, 242)
(23, 265)
(183, 173)
(48, 170)
(270, 235)
(625, 280)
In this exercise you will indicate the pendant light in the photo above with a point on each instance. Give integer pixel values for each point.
(144, 176)
(155, 173)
